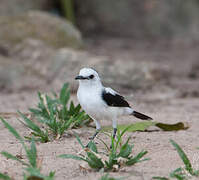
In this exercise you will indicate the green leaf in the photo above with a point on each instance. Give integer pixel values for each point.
(67, 124)
(80, 119)
(12, 130)
(10, 156)
(119, 137)
(92, 146)
(64, 94)
(51, 175)
(71, 156)
(123, 131)
(172, 127)
(32, 154)
(137, 158)
(183, 156)
(42, 107)
(160, 178)
(4, 177)
(125, 150)
(107, 177)
(138, 126)
(79, 141)
(34, 174)
(72, 107)
(77, 109)
(107, 147)
(35, 111)
(94, 161)
(68, 10)
(143, 126)
(178, 174)
(37, 132)
(112, 160)
(30, 123)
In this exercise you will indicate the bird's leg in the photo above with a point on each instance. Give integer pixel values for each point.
(114, 124)
(93, 137)
(98, 128)
(114, 132)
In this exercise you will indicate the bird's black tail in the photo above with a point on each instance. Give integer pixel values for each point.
(141, 116)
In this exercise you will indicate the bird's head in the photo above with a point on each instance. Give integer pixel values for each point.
(88, 76)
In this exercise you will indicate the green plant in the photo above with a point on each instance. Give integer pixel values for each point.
(4, 177)
(160, 178)
(118, 155)
(181, 173)
(107, 177)
(40, 134)
(68, 10)
(144, 125)
(31, 167)
(55, 115)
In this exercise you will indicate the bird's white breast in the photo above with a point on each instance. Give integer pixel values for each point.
(91, 101)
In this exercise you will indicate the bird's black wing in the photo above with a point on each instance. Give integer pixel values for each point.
(114, 99)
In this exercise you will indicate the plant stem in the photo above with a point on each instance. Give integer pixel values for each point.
(68, 10)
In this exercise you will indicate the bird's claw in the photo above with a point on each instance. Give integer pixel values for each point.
(89, 143)
(91, 138)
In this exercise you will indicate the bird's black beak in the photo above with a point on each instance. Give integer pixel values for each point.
(80, 78)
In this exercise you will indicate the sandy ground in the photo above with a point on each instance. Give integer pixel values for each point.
(163, 103)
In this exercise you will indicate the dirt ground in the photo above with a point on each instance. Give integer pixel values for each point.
(171, 102)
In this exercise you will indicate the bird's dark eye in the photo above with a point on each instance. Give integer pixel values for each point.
(91, 76)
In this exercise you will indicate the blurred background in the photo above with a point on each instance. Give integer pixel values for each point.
(149, 47)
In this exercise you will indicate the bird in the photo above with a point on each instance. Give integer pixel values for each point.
(102, 103)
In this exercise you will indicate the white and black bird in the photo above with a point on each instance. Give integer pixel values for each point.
(101, 102)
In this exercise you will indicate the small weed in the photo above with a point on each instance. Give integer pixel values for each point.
(117, 156)
(40, 134)
(55, 115)
(32, 171)
(160, 178)
(181, 173)
(68, 10)
(107, 177)
(4, 177)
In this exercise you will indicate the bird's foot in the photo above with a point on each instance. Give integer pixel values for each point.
(91, 138)
(89, 143)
